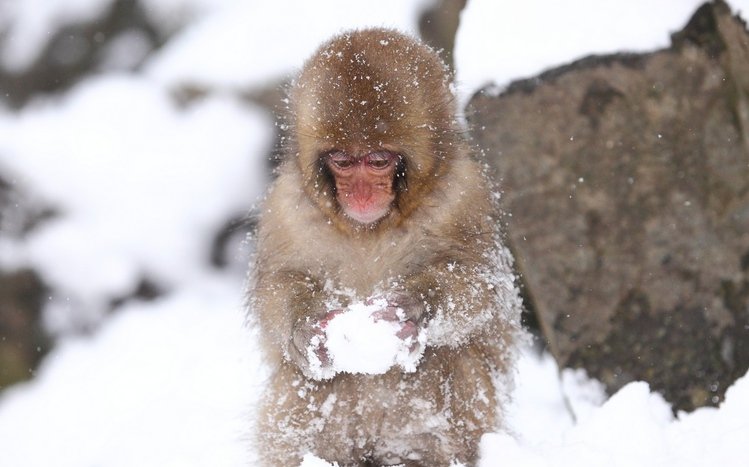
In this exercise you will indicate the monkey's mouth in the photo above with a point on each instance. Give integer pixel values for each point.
(366, 214)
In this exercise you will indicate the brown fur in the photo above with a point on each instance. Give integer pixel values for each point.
(350, 93)
(376, 89)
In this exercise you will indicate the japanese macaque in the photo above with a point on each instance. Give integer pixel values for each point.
(381, 201)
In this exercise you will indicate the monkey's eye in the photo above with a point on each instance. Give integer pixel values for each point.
(341, 160)
(379, 160)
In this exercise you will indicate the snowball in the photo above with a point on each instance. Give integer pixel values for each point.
(357, 343)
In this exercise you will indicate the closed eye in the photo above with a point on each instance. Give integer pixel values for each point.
(341, 160)
(379, 160)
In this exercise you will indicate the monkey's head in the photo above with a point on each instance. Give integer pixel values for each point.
(374, 124)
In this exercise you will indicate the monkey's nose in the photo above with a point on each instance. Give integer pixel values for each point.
(361, 191)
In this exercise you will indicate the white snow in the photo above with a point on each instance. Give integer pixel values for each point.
(253, 43)
(634, 427)
(171, 382)
(528, 37)
(312, 461)
(136, 178)
(357, 342)
(29, 23)
(142, 184)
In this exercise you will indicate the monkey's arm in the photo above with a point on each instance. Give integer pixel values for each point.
(454, 299)
(290, 307)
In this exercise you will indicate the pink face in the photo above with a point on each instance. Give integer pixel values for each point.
(364, 184)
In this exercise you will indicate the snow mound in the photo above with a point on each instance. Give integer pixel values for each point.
(359, 342)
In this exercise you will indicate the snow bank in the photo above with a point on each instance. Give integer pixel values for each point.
(500, 42)
(140, 184)
(170, 382)
(253, 43)
(29, 24)
(633, 427)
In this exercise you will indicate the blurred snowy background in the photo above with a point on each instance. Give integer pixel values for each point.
(134, 143)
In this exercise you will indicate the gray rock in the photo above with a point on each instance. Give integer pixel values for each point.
(626, 180)
(438, 24)
(23, 341)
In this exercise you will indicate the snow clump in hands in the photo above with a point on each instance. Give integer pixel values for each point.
(365, 339)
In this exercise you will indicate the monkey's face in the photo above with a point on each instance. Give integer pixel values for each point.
(373, 128)
(364, 183)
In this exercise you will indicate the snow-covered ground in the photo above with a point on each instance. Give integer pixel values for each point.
(141, 185)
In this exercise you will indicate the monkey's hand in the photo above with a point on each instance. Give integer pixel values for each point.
(404, 309)
(307, 348)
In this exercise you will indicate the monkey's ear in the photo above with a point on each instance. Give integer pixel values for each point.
(319, 184)
(401, 180)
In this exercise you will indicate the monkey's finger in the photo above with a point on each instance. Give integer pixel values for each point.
(408, 329)
(297, 354)
(398, 298)
(323, 323)
(388, 314)
(322, 353)
(373, 299)
(409, 307)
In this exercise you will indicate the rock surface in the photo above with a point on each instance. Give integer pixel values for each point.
(626, 178)
(23, 342)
